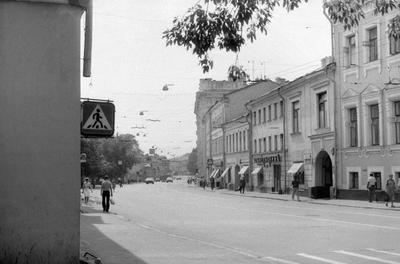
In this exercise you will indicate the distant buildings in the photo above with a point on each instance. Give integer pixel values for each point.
(331, 128)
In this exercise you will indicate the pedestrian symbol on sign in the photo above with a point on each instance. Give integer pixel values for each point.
(97, 117)
(97, 120)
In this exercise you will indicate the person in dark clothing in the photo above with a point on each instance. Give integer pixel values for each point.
(212, 183)
(242, 184)
(295, 185)
(106, 192)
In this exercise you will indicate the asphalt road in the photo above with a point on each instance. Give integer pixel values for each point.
(177, 223)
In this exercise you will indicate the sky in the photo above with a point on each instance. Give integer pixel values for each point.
(131, 64)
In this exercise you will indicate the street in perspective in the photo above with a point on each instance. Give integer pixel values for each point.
(209, 131)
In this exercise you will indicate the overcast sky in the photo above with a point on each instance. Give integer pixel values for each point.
(131, 64)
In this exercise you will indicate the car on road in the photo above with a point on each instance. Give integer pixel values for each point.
(169, 179)
(149, 180)
(158, 179)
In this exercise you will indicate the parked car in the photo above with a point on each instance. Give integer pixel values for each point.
(157, 179)
(169, 179)
(149, 180)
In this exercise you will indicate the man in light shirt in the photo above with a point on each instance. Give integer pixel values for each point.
(106, 192)
(371, 186)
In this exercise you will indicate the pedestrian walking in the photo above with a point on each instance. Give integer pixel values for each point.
(371, 186)
(242, 184)
(212, 183)
(390, 188)
(295, 185)
(106, 192)
(86, 189)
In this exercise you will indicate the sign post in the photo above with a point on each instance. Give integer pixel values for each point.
(97, 119)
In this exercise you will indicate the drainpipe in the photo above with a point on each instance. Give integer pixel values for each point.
(249, 120)
(284, 137)
(336, 101)
(87, 57)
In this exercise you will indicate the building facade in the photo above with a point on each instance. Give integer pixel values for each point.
(368, 79)
(210, 91)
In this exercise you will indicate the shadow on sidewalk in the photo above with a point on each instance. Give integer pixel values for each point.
(96, 243)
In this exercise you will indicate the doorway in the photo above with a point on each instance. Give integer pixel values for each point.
(323, 170)
(277, 178)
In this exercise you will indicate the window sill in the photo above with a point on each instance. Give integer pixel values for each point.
(295, 133)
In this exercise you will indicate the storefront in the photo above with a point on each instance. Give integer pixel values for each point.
(267, 172)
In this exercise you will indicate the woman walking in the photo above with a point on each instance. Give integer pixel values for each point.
(390, 188)
(86, 189)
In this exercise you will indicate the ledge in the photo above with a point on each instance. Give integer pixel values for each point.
(79, 3)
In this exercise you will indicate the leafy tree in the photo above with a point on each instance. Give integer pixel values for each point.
(227, 24)
(237, 73)
(192, 162)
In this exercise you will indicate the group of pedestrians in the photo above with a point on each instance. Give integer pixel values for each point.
(106, 192)
(390, 189)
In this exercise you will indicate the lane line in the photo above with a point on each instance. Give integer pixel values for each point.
(382, 251)
(317, 219)
(366, 257)
(281, 260)
(320, 259)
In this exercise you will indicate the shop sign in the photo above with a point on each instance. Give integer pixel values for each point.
(267, 160)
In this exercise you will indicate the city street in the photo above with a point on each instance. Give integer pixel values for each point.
(181, 223)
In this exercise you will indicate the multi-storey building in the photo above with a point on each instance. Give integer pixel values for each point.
(368, 79)
(224, 113)
(209, 92)
(293, 134)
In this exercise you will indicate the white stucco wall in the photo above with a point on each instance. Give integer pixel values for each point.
(39, 132)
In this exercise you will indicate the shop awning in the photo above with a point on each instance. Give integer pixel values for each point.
(257, 170)
(295, 167)
(244, 170)
(214, 173)
(225, 172)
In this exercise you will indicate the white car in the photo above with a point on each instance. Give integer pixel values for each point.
(149, 180)
(169, 179)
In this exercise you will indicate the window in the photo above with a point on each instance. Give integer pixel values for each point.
(230, 143)
(351, 44)
(353, 127)
(237, 142)
(269, 143)
(240, 141)
(264, 115)
(322, 110)
(276, 142)
(394, 45)
(254, 118)
(255, 145)
(244, 140)
(353, 180)
(397, 121)
(259, 116)
(269, 113)
(295, 115)
(373, 44)
(260, 145)
(378, 178)
(281, 138)
(265, 144)
(275, 110)
(374, 111)
(281, 108)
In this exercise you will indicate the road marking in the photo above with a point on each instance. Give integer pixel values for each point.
(320, 259)
(281, 260)
(382, 251)
(365, 257)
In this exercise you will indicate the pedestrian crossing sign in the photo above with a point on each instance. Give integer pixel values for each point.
(97, 119)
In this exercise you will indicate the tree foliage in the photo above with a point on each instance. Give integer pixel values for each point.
(237, 73)
(192, 162)
(227, 24)
(113, 156)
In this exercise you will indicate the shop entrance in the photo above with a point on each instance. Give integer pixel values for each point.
(277, 178)
(323, 170)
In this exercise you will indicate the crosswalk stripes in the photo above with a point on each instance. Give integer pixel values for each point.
(384, 252)
(325, 260)
(379, 257)
(366, 257)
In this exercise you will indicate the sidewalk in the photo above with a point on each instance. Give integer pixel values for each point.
(332, 202)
